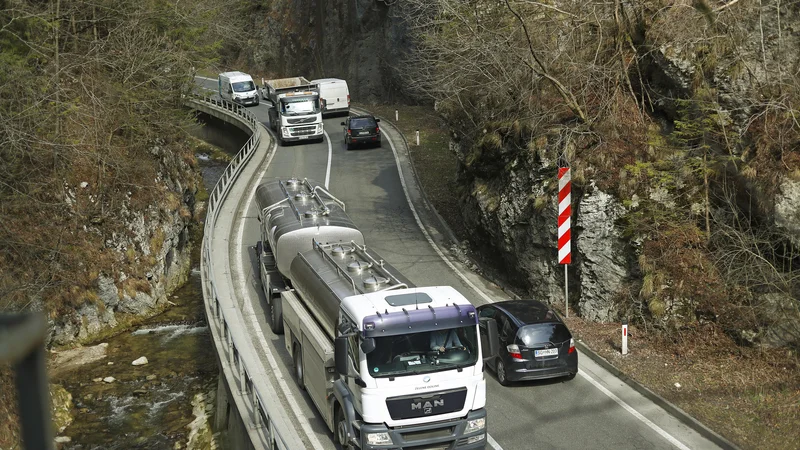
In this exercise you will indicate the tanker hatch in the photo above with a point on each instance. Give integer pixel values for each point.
(358, 266)
(342, 250)
(375, 282)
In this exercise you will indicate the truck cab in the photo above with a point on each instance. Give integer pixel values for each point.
(296, 113)
(412, 368)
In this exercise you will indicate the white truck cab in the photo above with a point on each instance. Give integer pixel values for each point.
(237, 87)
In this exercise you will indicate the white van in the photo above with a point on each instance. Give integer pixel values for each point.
(334, 96)
(238, 87)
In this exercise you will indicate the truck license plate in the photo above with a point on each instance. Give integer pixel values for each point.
(303, 137)
(546, 352)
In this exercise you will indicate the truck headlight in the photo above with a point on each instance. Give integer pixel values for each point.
(475, 425)
(378, 439)
(285, 132)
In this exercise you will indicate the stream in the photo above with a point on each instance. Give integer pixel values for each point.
(168, 402)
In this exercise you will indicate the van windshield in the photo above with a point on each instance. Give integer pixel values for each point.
(244, 86)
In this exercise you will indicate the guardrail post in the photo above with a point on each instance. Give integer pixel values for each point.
(22, 344)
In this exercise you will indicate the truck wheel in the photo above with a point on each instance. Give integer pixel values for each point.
(259, 252)
(298, 367)
(276, 315)
(341, 430)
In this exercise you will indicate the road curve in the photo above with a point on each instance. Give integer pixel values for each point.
(595, 410)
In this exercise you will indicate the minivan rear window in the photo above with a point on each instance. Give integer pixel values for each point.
(531, 335)
(363, 122)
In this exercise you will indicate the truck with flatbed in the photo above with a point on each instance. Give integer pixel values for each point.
(361, 335)
(295, 114)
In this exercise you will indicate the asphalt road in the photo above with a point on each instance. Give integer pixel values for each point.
(595, 410)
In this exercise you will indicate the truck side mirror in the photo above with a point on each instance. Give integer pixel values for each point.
(340, 355)
(343, 124)
(368, 345)
(377, 120)
(493, 339)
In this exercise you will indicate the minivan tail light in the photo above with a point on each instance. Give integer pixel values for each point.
(349, 132)
(348, 99)
(513, 350)
(571, 346)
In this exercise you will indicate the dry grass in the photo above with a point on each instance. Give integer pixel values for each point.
(750, 396)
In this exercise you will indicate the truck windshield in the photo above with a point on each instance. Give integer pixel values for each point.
(300, 106)
(244, 86)
(429, 351)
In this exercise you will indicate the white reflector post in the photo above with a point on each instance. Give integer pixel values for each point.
(625, 337)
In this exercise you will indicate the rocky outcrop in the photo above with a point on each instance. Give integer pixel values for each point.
(601, 252)
(358, 41)
(151, 253)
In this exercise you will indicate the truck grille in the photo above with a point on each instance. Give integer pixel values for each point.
(301, 120)
(427, 434)
(303, 131)
(410, 406)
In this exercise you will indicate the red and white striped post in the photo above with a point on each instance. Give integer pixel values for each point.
(564, 213)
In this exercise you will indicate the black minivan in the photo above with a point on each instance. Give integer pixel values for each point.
(534, 341)
(362, 129)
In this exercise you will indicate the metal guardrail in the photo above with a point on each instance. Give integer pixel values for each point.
(223, 320)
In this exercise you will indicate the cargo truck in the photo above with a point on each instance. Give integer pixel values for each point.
(295, 114)
(362, 336)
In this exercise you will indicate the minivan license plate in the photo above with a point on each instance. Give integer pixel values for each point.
(546, 352)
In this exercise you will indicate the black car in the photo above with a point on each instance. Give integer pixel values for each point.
(534, 341)
(361, 130)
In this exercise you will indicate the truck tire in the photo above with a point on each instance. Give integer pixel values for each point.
(259, 251)
(298, 367)
(341, 430)
(275, 315)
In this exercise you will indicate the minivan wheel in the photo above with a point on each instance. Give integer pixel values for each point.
(501, 373)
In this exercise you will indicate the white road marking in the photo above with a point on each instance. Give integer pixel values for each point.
(489, 438)
(257, 327)
(633, 412)
(330, 158)
(205, 78)
(427, 235)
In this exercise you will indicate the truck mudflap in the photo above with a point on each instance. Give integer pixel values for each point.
(466, 433)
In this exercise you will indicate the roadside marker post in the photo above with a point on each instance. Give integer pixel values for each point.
(417, 138)
(396, 115)
(564, 237)
(625, 336)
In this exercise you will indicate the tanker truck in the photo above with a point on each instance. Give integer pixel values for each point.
(291, 213)
(363, 338)
(295, 113)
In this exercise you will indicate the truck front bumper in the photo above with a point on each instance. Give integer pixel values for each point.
(444, 435)
(302, 133)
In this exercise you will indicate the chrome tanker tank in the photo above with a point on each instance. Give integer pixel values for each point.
(295, 212)
(326, 274)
